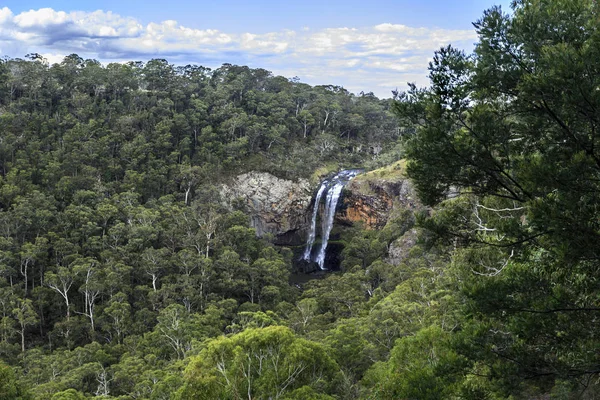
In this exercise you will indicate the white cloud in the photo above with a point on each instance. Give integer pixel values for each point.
(5, 15)
(42, 18)
(403, 29)
(377, 58)
(53, 58)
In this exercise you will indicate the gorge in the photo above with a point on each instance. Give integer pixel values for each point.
(183, 232)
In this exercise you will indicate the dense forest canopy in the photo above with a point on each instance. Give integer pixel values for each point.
(124, 276)
(116, 251)
(232, 118)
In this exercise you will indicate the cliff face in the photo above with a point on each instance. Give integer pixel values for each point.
(283, 207)
(372, 201)
(276, 206)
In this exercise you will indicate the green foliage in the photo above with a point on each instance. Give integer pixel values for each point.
(118, 261)
(259, 363)
(69, 394)
(423, 366)
(512, 131)
(362, 249)
(122, 275)
(10, 388)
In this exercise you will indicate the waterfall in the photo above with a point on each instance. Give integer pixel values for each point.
(313, 225)
(333, 188)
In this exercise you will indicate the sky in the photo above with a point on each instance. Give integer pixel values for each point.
(375, 46)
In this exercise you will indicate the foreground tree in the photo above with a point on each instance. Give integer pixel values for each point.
(513, 129)
(260, 363)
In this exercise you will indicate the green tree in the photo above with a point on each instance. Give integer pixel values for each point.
(423, 366)
(26, 316)
(91, 287)
(118, 314)
(175, 326)
(69, 394)
(257, 363)
(61, 282)
(10, 389)
(512, 129)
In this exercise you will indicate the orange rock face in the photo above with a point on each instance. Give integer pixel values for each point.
(371, 202)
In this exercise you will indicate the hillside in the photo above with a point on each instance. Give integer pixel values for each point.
(153, 220)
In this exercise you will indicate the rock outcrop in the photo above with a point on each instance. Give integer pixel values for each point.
(399, 250)
(371, 201)
(276, 206)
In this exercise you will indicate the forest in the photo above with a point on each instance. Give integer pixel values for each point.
(124, 274)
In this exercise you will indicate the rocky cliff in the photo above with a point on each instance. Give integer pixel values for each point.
(372, 200)
(399, 249)
(283, 207)
(276, 206)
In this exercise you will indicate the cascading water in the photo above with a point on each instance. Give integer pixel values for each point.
(333, 195)
(313, 226)
(333, 188)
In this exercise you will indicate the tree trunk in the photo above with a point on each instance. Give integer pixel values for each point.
(22, 339)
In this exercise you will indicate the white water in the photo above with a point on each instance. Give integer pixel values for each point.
(333, 195)
(313, 226)
(333, 188)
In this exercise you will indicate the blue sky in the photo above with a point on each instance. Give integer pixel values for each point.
(364, 46)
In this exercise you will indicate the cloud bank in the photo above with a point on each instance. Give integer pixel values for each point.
(377, 58)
